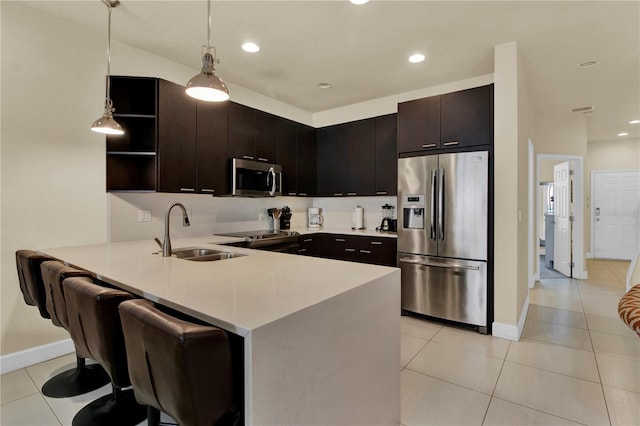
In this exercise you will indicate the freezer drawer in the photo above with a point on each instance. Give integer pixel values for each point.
(450, 289)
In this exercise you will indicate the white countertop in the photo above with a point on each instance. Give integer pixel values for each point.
(238, 294)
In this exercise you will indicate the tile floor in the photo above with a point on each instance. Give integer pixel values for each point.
(576, 363)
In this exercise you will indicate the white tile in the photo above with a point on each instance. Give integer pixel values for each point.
(556, 358)
(573, 337)
(15, 385)
(616, 345)
(429, 401)
(610, 325)
(556, 316)
(600, 304)
(559, 302)
(42, 372)
(409, 347)
(473, 342)
(29, 411)
(504, 413)
(565, 287)
(619, 372)
(562, 396)
(66, 408)
(624, 406)
(469, 369)
(418, 328)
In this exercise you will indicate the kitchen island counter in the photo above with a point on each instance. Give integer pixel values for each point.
(321, 337)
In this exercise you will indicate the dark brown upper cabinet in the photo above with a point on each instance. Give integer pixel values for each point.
(386, 155)
(251, 133)
(266, 132)
(286, 155)
(306, 160)
(213, 167)
(453, 120)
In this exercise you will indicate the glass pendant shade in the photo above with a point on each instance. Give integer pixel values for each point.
(207, 86)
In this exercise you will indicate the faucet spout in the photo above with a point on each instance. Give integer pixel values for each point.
(166, 244)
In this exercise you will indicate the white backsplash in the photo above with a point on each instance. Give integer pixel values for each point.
(210, 215)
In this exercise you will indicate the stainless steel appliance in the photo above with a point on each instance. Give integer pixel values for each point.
(282, 241)
(255, 178)
(442, 236)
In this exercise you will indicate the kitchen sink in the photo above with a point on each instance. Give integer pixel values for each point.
(204, 254)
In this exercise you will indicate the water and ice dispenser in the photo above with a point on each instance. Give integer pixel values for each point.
(413, 211)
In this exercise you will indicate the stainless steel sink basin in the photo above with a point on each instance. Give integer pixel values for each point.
(204, 254)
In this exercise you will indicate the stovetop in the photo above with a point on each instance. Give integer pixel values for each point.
(260, 234)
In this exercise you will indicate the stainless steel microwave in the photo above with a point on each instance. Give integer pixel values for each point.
(255, 178)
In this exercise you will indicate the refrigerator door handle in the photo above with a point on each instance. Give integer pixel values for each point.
(441, 205)
(439, 265)
(432, 227)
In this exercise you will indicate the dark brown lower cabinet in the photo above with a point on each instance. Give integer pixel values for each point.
(353, 248)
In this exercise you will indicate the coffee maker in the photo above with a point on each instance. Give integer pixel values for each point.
(389, 223)
(315, 218)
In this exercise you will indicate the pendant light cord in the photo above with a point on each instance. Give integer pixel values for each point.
(209, 26)
(108, 102)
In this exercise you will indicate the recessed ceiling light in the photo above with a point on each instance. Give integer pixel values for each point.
(250, 47)
(634, 122)
(359, 1)
(324, 85)
(588, 64)
(623, 134)
(416, 57)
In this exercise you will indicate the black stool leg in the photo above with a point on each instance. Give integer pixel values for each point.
(119, 408)
(76, 381)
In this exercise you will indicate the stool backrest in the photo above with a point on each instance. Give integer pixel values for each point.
(53, 273)
(94, 324)
(178, 367)
(30, 278)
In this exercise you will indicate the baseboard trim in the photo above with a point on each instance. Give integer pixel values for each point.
(580, 275)
(17, 360)
(511, 331)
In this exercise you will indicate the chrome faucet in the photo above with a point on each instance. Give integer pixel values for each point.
(166, 244)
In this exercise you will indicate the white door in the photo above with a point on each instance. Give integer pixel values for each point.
(616, 207)
(562, 216)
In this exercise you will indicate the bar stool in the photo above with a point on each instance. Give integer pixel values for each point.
(178, 367)
(94, 325)
(83, 378)
(28, 264)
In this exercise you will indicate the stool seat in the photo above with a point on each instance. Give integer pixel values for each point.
(629, 308)
(178, 367)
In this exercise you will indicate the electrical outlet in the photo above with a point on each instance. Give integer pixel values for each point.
(144, 215)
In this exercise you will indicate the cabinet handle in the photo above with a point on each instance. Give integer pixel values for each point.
(302, 194)
(337, 194)
(208, 190)
(308, 240)
(429, 145)
(352, 193)
(450, 143)
(187, 189)
(291, 193)
(376, 243)
(348, 249)
(301, 250)
(262, 159)
(365, 251)
(381, 192)
(247, 157)
(340, 240)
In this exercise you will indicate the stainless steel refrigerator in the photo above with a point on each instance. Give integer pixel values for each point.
(442, 236)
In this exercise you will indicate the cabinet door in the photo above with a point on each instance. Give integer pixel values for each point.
(313, 245)
(358, 177)
(176, 139)
(241, 131)
(377, 250)
(467, 117)
(286, 155)
(213, 166)
(306, 160)
(265, 134)
(331, 161)
(386, 155)
(419, 124)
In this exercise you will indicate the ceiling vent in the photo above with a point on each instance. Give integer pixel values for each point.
(584, 109)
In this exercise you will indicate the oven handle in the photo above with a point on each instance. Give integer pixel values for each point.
(272, 172)
(438, 265)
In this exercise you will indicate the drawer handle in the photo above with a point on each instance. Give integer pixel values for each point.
(308, 240)
(352, 193)
(301, 250)
(208, 190)
(262, 159)
(247, 157)
(376, 243)
(439, 265)
(381, 192)
(348, 249)
(365, 251)
(450, 143)
(337, 194)
(291, 193)
(429, 145)
(302, 194)
(340, 240)
(187, 189)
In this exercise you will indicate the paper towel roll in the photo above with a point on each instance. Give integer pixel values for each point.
(359, 218)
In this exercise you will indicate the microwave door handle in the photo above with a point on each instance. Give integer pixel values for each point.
(441, 205)
(272, 172)
(432, 227)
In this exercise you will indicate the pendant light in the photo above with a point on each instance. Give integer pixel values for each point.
(106, 124)
(207, 86)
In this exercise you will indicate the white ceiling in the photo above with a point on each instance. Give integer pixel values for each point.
(362, 50)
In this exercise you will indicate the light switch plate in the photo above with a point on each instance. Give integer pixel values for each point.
(144, 215)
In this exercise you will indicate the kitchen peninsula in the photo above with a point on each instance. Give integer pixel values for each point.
(321, 337)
